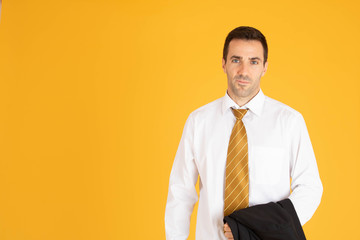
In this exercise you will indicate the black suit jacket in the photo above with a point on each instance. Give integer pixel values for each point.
(271, 221)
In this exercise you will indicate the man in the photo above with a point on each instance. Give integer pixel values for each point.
(247, 148)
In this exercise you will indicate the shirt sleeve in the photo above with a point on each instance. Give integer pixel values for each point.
(306, 185)
(182, 194)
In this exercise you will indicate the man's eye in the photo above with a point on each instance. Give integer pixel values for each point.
(235, 60)
(254, 62)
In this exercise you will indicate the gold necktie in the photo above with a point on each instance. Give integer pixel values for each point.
(237, 171)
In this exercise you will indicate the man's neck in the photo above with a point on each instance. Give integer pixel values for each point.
(242, 101)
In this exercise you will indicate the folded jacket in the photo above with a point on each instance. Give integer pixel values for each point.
(271, 221)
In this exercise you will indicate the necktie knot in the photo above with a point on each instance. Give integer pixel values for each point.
(239, 113)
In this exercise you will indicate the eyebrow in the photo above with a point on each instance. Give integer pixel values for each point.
(238, 57)
(256, 58)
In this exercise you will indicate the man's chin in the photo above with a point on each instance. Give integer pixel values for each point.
(242, 92)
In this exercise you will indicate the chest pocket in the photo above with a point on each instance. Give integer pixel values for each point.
(267, 165)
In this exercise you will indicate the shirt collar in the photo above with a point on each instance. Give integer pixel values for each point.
(255, 105)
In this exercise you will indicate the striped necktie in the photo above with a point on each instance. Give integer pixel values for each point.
(237, 171)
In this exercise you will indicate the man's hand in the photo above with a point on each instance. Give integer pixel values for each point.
(227, 232)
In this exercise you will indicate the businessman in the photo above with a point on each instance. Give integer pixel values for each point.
(247, 148)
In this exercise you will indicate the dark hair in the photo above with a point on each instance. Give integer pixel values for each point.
(246, 33)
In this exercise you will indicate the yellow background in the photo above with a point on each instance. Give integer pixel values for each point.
(94, 96)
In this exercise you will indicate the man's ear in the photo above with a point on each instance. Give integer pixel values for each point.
(223, 65)
(265, 68)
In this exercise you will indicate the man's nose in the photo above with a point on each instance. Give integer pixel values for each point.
(242, 69)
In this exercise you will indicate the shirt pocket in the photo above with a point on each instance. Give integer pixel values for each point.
(267, 165)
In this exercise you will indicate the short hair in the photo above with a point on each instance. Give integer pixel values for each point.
(245, 33)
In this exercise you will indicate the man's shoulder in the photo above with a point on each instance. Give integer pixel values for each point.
(213, 107)
(281, 109)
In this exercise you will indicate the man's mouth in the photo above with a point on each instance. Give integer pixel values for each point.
(242, 82)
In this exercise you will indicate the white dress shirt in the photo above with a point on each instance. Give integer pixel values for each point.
(279, 152)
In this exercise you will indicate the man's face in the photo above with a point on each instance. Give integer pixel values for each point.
(244, 67)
